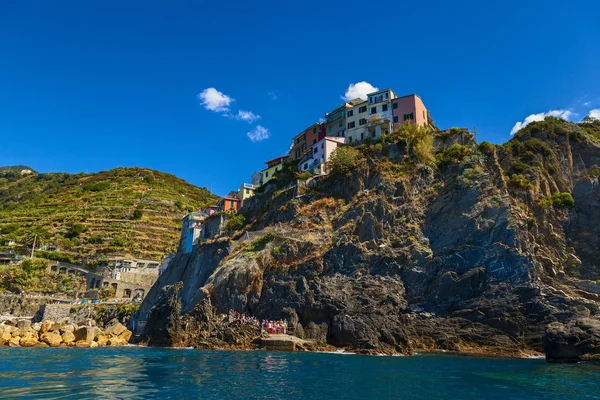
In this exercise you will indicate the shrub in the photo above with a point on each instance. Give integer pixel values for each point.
(453, 154)
(95, 239)
(343, 160)
(34, 265)
(75, 230)
(304, 176)
(179, 204)
(260, 243)
(235, 223)
(96, 187)
(419, 141)
(486, 147)
(520, 182)
(137, 214)
(560, 199)
(118, 242)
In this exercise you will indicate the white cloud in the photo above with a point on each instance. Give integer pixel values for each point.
(595, 113)
(259, 133)
(563, 114)
(247, 116)
(272, 95)
(358, 89)
(587, 103)
(214, 100)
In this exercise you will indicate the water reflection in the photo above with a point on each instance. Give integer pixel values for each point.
(170, 373)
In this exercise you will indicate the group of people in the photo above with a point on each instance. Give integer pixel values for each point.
(272, 327)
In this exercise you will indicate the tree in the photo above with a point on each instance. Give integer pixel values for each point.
(74, 231)
(419, 141)
(137, 214)
(343, 160)
(235, 223)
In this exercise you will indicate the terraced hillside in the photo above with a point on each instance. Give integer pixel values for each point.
(126, 210)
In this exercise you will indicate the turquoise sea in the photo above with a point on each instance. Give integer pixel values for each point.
(135, 372)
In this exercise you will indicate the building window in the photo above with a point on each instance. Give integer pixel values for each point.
(267, 174)
(314, 141)
(304, 137)
(350, 140)
(384, 107)
(351, 124)
(232, 204)
(350, 113)
(395, 118)
(362, 121)
(373, 110)
(362, 136)
(314, 130)
(373, 134)
(247, 191)
(394, 106)
(386, 95)
(315, 150)
(409, 116)
(340, 124)
(305, 166)
(298, 141)
(362, 109)
(322, 144)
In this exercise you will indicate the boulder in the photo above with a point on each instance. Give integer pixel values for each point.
(102, 340)
(83, 344)
(52, 339)
(93, 345)
(46, 326)
(29, 340)
(14, 341)
(86, 333)
(67, 328)
(116, 341)
(126, 335)
(5, 337)
(37, 326)
(574, 341)
(68, 337)
(114, 329)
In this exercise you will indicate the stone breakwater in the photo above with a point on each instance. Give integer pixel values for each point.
(23, 333)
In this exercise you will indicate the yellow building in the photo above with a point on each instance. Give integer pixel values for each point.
(272, 167)
(246, 191)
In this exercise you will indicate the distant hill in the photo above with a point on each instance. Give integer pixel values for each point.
(19, 169)
(126, 210)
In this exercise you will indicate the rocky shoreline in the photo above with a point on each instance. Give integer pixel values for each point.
(23, 333)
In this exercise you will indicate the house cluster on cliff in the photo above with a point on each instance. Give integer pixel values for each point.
(352, 123)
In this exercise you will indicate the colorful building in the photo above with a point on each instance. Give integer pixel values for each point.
(302, 143)
(321, 153)
(246, 191)
(379, 119)
(191, 227)
(257, 178)
(409, 108)
(273, 166)
(356, 122)
(229, 204)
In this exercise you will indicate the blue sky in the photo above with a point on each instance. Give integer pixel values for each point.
(88, 86)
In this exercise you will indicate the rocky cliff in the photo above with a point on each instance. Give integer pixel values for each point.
(449, 246)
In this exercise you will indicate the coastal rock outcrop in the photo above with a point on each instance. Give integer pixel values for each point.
(61, 334)
(493, 249)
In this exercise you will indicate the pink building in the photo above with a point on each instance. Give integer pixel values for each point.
(409, 108)
(321, 153)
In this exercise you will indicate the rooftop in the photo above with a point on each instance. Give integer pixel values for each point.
(277, 160)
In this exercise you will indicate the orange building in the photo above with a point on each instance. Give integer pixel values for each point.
(229, 204)
(409, 108)
(303, 142)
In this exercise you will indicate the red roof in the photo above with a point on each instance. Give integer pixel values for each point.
(276, 160)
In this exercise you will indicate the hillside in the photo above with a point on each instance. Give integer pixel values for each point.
(127, 210)
(416, 242)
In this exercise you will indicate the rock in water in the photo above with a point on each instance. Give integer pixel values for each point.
(52, 339)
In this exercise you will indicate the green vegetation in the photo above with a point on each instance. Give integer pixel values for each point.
(80, 214)
(419, 141)
(520, 182)
(560, 199)
(304, 176)
(260, 243)
(31, 276)
(486, 148)
(235, 223)
(343, 160)
(453, 155)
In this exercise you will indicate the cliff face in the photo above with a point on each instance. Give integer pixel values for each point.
(475, 252)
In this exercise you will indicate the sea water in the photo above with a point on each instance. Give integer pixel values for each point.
(137, 372)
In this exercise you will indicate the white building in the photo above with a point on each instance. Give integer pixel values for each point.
(316, 163)
(380, 118)
(356, 122)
